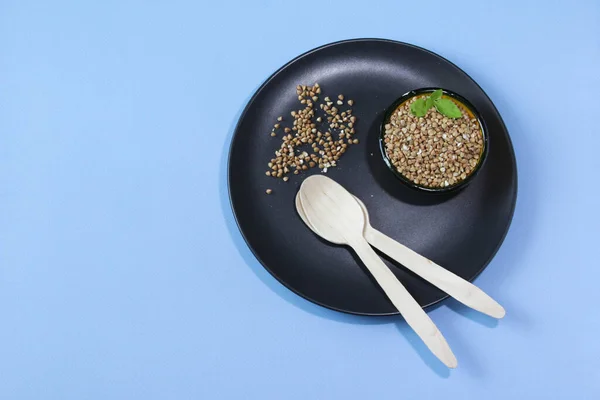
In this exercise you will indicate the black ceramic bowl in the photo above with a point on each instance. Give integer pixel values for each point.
(465, 103)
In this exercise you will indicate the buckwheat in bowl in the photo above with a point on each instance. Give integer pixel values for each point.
(433, 140)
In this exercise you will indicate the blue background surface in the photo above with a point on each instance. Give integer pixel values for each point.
(123, 275)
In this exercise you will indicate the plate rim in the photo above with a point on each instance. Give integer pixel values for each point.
(271, 77)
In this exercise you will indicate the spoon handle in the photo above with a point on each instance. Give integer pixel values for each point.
(412, 312)
(457, 287)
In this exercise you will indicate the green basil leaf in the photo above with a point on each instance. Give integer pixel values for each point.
(448, 108)
(432, 98)
(436, 95)
(419, 108)
(429, 102)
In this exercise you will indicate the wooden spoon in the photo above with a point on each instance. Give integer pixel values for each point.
(333, 213)
(457, 287)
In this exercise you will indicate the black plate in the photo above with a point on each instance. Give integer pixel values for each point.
(460, 231)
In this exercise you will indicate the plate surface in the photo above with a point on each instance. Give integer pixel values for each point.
(460, 231)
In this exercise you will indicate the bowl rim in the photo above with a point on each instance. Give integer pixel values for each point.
(417, 92)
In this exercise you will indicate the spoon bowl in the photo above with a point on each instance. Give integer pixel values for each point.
(340, 220)
(300, 210)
